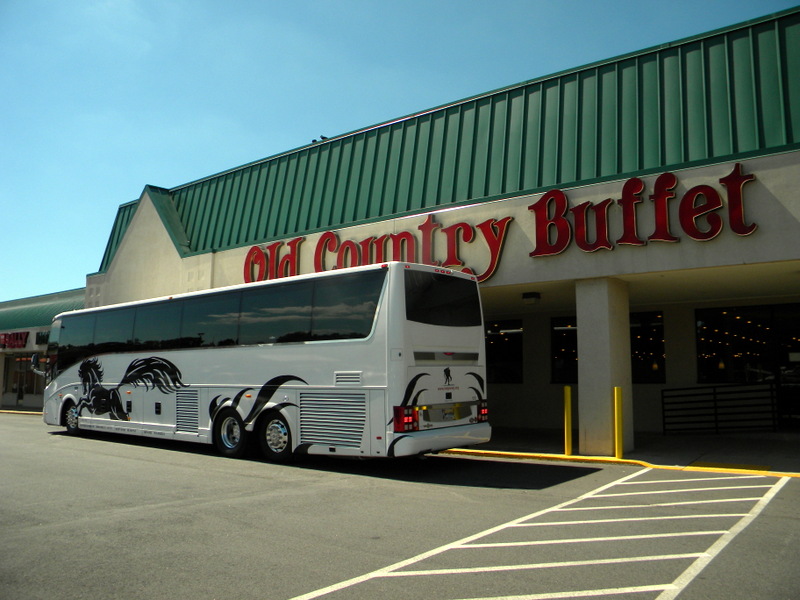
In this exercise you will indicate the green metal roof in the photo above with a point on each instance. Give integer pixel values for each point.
(38, 311)
(730, 93)
(123, 219)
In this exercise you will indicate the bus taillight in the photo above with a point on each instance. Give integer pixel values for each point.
(483, 411)
(406, 418)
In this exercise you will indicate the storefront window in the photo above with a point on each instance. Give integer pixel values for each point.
(504, 351)
(748, 344)
(19, 379)
(647, 348)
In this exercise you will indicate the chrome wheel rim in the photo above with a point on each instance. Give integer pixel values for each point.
(72, 418)
(230, 432)
(277, 436)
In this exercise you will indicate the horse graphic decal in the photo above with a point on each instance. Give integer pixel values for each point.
(152, 372)
(264, 396)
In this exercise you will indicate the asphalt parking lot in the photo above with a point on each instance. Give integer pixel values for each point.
(111, 517)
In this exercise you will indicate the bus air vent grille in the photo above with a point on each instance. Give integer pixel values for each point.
(332, 419)
(347, 377)
(187, 411)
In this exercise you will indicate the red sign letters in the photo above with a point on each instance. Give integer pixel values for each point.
(698, 215)
(18, 339)
(280, 259)
(701, 216)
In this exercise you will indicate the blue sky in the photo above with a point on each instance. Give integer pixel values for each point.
(102, 97)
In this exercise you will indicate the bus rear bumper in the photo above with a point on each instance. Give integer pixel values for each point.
(421, 442)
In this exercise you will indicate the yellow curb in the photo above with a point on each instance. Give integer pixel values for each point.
(20, 412)
(618, 461)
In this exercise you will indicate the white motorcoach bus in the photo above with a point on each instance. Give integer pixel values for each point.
(376, 361)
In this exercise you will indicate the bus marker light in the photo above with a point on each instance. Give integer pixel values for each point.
(483, 411)
(406, 418)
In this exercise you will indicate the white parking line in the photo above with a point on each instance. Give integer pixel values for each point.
(693, 479)
(661, 504)
(639, 589)
(689, 574)
(386, 571)
(547, 565)
(668, 590)
(611, 538)
(633, 519)
(686, 491)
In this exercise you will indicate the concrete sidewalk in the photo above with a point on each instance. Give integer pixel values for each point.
(772, 452)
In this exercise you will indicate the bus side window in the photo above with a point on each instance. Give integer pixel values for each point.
(276, 314)
(113, 331)
(157, 326)
(76, 340)
(210, 320)
(344, 307)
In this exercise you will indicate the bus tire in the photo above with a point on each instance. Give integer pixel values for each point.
(275, 437)
(70, 418)
(230, 437)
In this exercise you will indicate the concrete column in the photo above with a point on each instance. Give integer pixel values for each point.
(604, 362)
(679, 346)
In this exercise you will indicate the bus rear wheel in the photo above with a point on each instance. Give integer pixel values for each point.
(275, 437)
(230, 437)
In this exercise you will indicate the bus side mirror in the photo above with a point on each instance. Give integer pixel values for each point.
(35, 365)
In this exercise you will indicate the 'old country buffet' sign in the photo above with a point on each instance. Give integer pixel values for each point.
(556, 225)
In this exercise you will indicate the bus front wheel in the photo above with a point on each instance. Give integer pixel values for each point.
(70, 418)
(229, 434)
(275, 437)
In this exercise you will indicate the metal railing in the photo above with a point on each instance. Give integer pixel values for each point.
(720, 408)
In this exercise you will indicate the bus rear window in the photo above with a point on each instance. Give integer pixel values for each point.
(437, 299)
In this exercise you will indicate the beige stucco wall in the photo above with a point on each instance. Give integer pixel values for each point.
(147, 264)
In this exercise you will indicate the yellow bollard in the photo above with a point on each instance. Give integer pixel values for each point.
(567, 420)
(618, 422)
